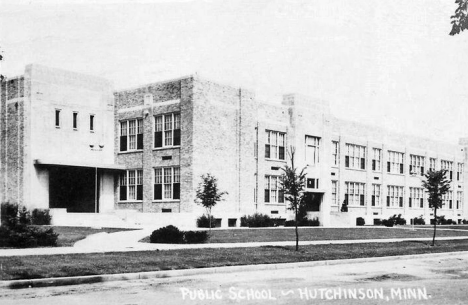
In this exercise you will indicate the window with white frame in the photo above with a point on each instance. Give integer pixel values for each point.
(416, 165)
(167, 130)
(447, 200)
(335, 153)
(273, 191)
(275, 143)
(91, 122)
(131, 135)
(395, 162)
(375, 195)
(131, 185)
(448, 166)
(355, 193)
(432, 164)
(166, 183)
(75, 120)
(312, 150)
(460, 168)
(376, 159)
(394, 196)
(334, 192)
(355, 156)
(416, 199)
(459, 200)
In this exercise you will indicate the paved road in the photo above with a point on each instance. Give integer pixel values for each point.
(413, 281)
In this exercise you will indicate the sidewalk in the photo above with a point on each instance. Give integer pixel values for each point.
(127, 241)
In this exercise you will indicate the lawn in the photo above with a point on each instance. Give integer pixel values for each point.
(455, 227)
(29, 267)
(68, 236)
(311, 234)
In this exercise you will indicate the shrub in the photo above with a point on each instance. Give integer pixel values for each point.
(388, 222)
(24, 216)
(256, 220)
(40, 217)
(195, 237)
(9, 213)
(360, 221)
(419, 221)
(465, 221)
(27, 236)
(377, 222)
(167, 235)
(204, 221)
(305, 222)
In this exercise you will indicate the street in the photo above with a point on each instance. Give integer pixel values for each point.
(408, 281)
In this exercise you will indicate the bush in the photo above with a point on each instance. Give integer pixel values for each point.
(256, 220)
(27, 236)
(9, 215)
(378, 222)
(40, 217)
(167, 235)
(305, 222)
(172, 235)
(204, 221)
(419, 221)
(195, 237)
(465, 221)
(24, 216)
(388, 222)
(360, 221)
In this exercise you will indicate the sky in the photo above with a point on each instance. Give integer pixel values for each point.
(387, 63)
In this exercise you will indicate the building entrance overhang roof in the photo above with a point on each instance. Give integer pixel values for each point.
(48, 163)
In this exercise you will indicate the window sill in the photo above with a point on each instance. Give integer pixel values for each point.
(130, 201)
(377, 171)
(165, 200)
(129, 152)
(166, 147)
(356, 169)
(275, 160)
(274, 203)
(395, 174)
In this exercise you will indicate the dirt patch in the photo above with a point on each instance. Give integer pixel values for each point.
(391, 277)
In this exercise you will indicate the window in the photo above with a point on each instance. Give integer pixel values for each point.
(448, 166)
(459, 200)
(355, 156)
(334, 192)
(312, 150)
(75, 120)
(355, 193)
(460, 168)
(416, 199)
(312, 183)
(167, 130)
(274, 147)
(394, 196)
(375, 195)
(131, 185)
(376, 159)
(131, 135)
(335, 153)
(167, 183)
(273, 191)
(447, 200)
(432, 164)
(395, 162)
(91, 122)
(57, 118)
(416, 165)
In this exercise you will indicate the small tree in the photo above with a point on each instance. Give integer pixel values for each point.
(293, 184)
(207, 193)
(436, 185)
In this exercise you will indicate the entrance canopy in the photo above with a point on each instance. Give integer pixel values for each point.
(45, 162)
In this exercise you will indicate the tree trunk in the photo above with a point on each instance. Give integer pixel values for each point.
(209, 218)
(435, 225)
(297, 232)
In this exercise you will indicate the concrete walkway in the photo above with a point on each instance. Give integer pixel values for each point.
(126, 241)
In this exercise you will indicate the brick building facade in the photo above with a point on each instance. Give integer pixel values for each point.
(163, 136)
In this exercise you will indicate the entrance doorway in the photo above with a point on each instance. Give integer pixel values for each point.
(313, 201)
(73, 188)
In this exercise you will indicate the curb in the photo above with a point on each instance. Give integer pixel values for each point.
(90, 279)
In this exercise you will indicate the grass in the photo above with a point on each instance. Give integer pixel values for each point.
(29, 267)
(455, 227)
(68, 236)
(312, 234)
